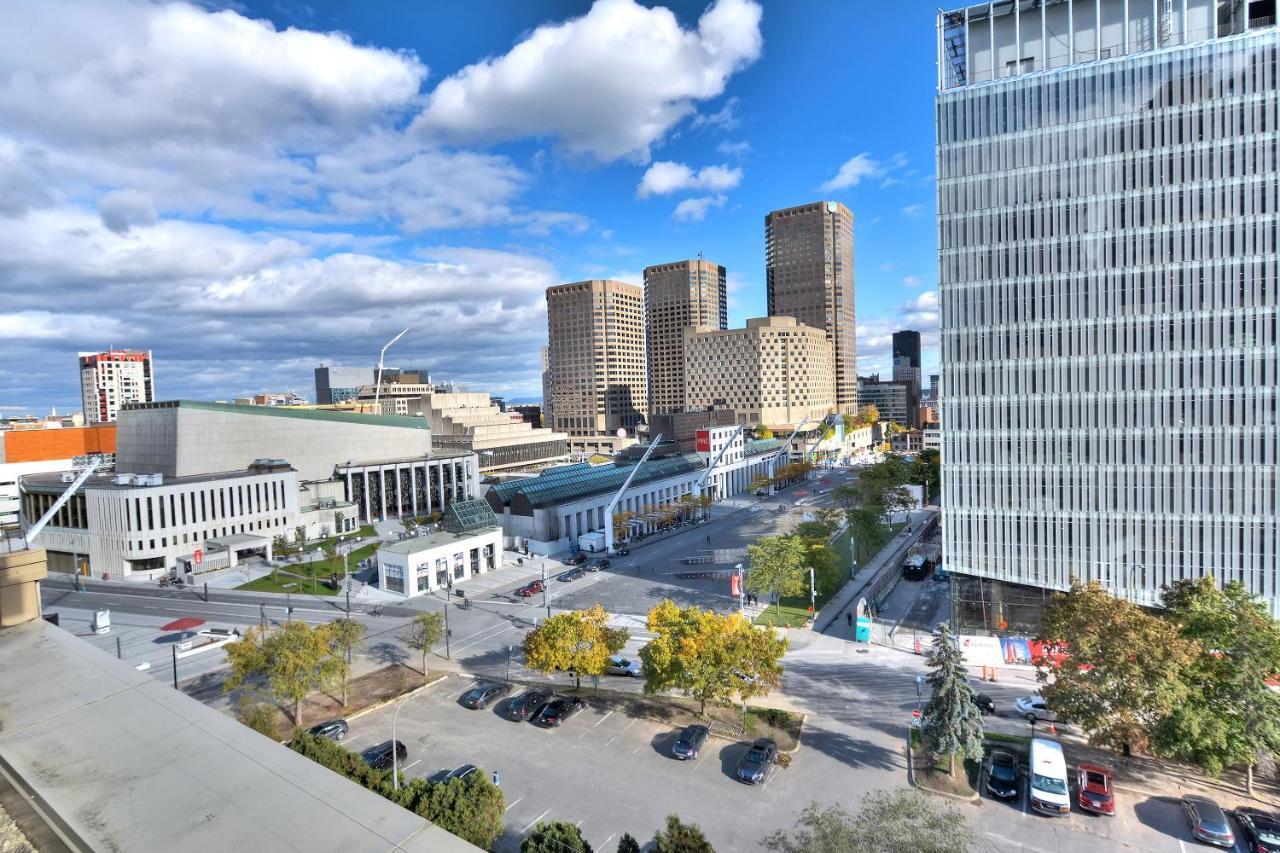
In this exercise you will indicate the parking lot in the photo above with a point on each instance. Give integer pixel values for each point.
(610, 773)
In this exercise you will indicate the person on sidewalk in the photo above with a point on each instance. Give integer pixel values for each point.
(849, 618)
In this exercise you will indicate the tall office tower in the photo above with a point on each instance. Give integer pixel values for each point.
(110, 379)
(545, 354)
(335, 384)
(906, 343)
(809, 274)
(676, 296)
(595, 333)
(1107, 221)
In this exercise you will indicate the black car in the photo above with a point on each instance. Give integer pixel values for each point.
(332, 729)
(557, 711)
(571, 575)
(1209, 823)
(579, 559)
(1261, 829)
(1002, 775)
(379, 757)
(620, 552)
(528, 704)
(753, 768)
(598, 565)
(690, 741)
(483, 695)
(985, 703)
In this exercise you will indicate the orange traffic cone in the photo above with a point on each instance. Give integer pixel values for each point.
(1052, 730)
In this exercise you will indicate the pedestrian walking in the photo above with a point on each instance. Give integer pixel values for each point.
(497, 781)
(849, 618)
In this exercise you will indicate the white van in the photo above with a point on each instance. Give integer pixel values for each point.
(1048, 792)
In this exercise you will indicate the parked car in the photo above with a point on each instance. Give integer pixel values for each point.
(1260, 828)
(623, 666)
(555, 712)
(620, 552)
(483, 695)
(690, 741)
(1002, 775)
(1094, 792)
(1047, 790)
(753, 768)
(528, 704)
(335, 730)
(379, 757)
(529, 589)
(985, 703)
(1033, 709)
(571, 575)
(578, 559)
(597, 565)
(1208, 822)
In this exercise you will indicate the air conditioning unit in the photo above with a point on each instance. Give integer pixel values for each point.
(68, 477)
(123, 479)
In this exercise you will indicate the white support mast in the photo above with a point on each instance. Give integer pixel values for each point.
(35, 529)
(608, 511)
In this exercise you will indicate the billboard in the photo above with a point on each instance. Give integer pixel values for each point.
(702, 439)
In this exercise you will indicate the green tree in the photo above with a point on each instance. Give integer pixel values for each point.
(300, 537)
(279, 545)
(347, 635)
(295, 660)
(678, 837)
(1235, 716)
(951, 723)
(869, 415)
(777, 567)
(627, 844)
(338, 525)
(408, 522)
(470, 808)
(1124, 670)
(903, 820)
(425, 631)
(759, 483)
(763, 432)
(256, 714)
(555, 836)
(580, 641)
(709, 656)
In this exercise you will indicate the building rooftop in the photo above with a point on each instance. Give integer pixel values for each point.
(403, 421)
(434, 539)
(117, 760)
(52, 483)
(465, 516)
(571, 482)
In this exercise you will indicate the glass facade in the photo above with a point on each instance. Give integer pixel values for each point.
(1107, 239)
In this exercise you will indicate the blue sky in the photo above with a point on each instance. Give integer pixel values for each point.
(250, 191)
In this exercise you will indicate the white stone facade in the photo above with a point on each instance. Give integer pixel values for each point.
(438, 560)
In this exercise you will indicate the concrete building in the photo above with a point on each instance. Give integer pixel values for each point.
(891, 399)
(775, 371)
(40, 451)
(595, 333)
(109, 380)
(1107, 222)
(906, 344)
(545, 354)
(931, 437)
(468, 543)
(677, 296)
(809, 276)
(682, 427)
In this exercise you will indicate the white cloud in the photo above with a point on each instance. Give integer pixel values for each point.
(665, 177)
(607, 85)
(912, 281)
(886, 267)
(123, 209)
(875, 332)
(723, 118)
(695, 209)
(738, 149)
(852, 172)
(913, 210)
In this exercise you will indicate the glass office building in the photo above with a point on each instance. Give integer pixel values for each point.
(1107, 230)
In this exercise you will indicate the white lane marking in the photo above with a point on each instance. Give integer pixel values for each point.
(533, 822)
(409, 767)
(513, 805)
(637, 749)
(605, 717)
(606, 842)
(1182, 846)
(502, 630)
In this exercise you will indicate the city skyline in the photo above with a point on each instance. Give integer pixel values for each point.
(344, 208)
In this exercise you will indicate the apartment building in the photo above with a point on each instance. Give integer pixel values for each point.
(109, 380)
(677, 296)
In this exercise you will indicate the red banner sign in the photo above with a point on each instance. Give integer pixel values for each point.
(703, 439)
(735, 584)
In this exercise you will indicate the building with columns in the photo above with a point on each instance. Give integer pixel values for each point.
(416, 486)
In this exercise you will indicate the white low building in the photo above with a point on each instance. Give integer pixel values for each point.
(468, 543)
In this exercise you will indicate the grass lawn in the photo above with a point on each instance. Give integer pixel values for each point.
(794, 609)
(318, 570)
(866, 552)
(283, 583)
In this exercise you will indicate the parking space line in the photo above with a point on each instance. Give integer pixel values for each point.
(637, 749)
(534, 822)
(606, 842)
(605, 717)
(409, 767)
(513, 805)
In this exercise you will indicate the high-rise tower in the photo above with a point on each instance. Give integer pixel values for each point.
(677, 296)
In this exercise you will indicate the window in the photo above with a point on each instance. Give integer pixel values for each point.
(394, 577)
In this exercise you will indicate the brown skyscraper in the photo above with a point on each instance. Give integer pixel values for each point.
(678, 295)
(595, 337)
(809, 274)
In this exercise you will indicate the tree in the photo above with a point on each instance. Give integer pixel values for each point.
(870, 415)
(904, 820)
(777, 567)
(256, 714)
(627, 844)
(763, 432)
(680, 837)
(709, 656)
(951, 723)
(300, 536)
(347, 636)
(471, 808)
(408, 522)
(1123, 670)
(279, 545)
(425, 631)
(557, 836)
(759, 483)
(1235, 717)
(294, 659)
(580, 641)
(339, 526)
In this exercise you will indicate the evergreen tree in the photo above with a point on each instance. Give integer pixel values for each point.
(557, 836)
(627, 844)
(951, 722)
(680, 837)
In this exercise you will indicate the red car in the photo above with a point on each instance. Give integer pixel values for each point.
(1095, 793)
(531, 588)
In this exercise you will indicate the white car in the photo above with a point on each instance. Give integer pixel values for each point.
(622, 666)
(1033, 709)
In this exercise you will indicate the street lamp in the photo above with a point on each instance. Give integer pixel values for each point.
(377, 388)
(395, 755)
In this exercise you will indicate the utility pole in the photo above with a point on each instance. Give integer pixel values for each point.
(545, 601)
(175, 666)
(446, 631)
(508, 661)
(813, 593)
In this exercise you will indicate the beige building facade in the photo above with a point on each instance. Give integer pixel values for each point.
(676, 296)
(595, 333)
(775, 371)
(809, 276)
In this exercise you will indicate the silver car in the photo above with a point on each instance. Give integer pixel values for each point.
(622, 666)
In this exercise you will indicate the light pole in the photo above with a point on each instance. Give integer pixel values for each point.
(742, 592)
(508, 663)
(377, 388)
(813, 594)
(546, 602)
(395, 755)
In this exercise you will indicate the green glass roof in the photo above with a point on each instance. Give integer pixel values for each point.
(558, 473)
(764, 445)
(550, 490)
(462, 516)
